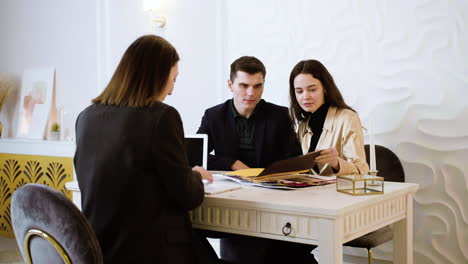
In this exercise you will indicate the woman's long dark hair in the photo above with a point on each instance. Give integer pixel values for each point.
(332, 95)
(142, 73)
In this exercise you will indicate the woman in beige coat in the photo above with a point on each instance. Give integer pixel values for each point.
(325, 121)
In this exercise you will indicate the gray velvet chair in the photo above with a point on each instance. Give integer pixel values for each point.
(389, 167)
(49, 228)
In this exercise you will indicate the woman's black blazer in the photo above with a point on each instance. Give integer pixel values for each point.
(136, 184)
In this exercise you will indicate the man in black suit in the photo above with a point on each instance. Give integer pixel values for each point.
(246, 131)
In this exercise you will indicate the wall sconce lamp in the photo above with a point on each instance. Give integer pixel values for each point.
(155, 9)
(159, 20)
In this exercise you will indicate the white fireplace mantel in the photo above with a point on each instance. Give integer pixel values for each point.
(37, 147)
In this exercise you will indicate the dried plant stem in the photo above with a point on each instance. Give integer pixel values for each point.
(6, 87)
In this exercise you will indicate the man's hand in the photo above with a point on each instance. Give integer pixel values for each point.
(239, 165)
(329, 156)
(206, 175)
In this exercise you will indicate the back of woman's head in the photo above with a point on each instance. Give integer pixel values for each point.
(332, 94)
(142, 73)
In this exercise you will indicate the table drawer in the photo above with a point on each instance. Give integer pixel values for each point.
(288, 225)
(226, 217)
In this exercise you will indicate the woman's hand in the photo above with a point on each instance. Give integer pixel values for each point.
(329, 156)
(206, 175)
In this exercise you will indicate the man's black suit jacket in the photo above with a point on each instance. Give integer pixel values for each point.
(274, 135)
(136, 184)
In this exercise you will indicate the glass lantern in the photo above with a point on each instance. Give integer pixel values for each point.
(360, 184)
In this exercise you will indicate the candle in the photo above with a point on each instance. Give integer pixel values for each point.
(372, 148)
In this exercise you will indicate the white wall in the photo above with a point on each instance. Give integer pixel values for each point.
(61, 34)
(402, 63)
(192, 33)
(85, 40)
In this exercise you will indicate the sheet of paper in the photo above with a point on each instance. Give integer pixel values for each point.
(332, 177)
(220, 187)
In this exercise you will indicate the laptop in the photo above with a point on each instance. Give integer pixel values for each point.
(197, 149)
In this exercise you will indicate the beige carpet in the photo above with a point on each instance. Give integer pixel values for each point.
(9, 253)
(10, 257)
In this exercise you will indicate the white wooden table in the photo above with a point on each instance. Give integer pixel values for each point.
(318, 215)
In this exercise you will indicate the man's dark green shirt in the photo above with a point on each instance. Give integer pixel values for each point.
(246, 132)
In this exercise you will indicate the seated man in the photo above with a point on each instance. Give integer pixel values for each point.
(246, 132)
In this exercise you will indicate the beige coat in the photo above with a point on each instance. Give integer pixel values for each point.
(343, 130)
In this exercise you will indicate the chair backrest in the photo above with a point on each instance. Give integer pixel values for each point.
(388, 164)
(49, 228)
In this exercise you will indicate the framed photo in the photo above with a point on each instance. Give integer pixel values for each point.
(35, 102)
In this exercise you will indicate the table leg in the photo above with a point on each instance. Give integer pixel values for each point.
(330, 236)
(403, 236)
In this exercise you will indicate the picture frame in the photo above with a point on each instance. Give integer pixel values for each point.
(35, 103)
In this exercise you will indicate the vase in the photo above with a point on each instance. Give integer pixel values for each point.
(54, 135)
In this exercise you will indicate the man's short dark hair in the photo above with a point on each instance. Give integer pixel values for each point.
(248, 64)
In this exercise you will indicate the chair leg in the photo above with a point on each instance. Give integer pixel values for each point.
(369, 255)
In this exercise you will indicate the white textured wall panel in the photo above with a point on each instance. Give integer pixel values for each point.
(403, 64)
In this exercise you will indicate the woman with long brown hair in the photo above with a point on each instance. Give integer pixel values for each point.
(135, 180)
(325, 121)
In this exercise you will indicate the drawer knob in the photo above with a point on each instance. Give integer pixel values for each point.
(287, 229)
